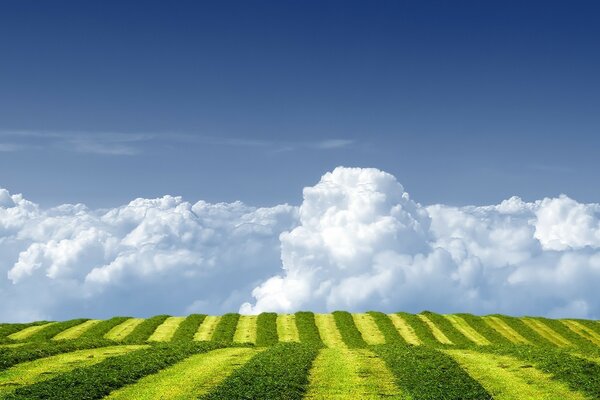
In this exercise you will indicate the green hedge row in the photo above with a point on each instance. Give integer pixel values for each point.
(428, 374)
(225, 329)
(101, 328)
(34, 350)
(188, 327)
(266, 329)
(387, 328)
(143, 331)
(348, 330)
(307, 329)
(279, 372)
(97, 381)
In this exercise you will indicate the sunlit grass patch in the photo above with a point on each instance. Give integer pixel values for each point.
(368, 329)
(122, 330)
(246, 329)
(207, 328)
(165, 331)
(436, 332)
(77, 330)
(545, 331)
(582, 331)
(505, 330)
(286, 328)
(463, 327)
(404, 329)
(26, 333)
(328, 330)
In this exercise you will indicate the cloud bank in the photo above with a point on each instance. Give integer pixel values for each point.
(356, 242)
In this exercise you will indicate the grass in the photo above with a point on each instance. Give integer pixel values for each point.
(449, 330)
(467, 330)
(188, 379)
(9, 329)
(46, 368)
(578, 373)
(100, 329)
(307, 328)
(347, 328)
(51, 330)
(508, 378)
(546, 332)
(188, 328)
(99, 380)
(28, 331)
(484, 329)
(207, 328)
(368, 328)
(245, 331)
(351, 374)
(286, 328)
(266, 329)
(226, 327)
(143, 331)
(582, 331)
(122, 330)
(387, 328)
(405, 330)
(505, 330)
(524, 330)
(434, 329)
(569, 335)
(428, 374)
(77, 330)
(328, 330)
(166, 330)
(279, 372)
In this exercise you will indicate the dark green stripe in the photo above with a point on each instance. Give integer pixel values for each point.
(101, 328)
(479, 325)
(348, 330)
(188, 328)
(307, 329)
(143, 331)
(50, 331)
(225, 329)
(420, 328)
(524, 330)
(448, 329)
(280, 372)
(387, 328)
(266, 329)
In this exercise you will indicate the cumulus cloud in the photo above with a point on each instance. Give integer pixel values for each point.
(357, 242)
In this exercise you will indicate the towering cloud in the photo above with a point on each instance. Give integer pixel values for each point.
(357, 242)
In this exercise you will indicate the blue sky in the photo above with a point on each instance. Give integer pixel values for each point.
(464, 102)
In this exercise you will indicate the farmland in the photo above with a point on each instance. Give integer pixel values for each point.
(302, 356)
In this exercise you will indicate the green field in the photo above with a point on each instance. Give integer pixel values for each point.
(302, 356)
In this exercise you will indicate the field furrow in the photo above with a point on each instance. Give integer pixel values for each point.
(77, 330)
(122, 330)
(508, 378)
(286, 328)
(463, 327)
(582, 331)
(404, 329)
(165, 331)
(435, 330)
(245, 331)
(46, 368)
(368, 329)
(505, 330)
(339, 373)
(545, 331)
(188, 379)
(207, 328)
(279, 372)
(328, 330)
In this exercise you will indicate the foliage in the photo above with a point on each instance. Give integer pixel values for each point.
(307, 329)
(225, 329)
(387, 328)
(188, 328)
(142, 332)
(266, 329)
(347, 328)
(54, 329)
(448, 329)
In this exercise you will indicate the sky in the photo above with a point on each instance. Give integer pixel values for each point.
(179, 157)
(464, 102)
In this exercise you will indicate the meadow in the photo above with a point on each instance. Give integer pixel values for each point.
(304, 355)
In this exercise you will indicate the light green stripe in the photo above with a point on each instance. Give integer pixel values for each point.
(507, 378)
(29, 331)
(207, 328)
(437, 333)
(165, 331)
(189, 379)
(328, 330)
(245, 331)
(368, 329)
(42, 369)
(122, 330)
(582, 331)
(505, 330)
(404, 329)
(341, 374)
(75, 331)
(463, 327)
(287, 329)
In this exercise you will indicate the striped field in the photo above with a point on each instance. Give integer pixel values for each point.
(303, 356)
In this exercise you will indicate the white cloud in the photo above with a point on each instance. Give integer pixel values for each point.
(357, 242)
